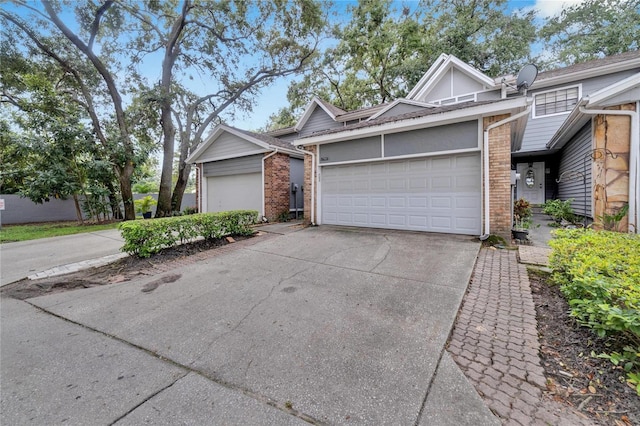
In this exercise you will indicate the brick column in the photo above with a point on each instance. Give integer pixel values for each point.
(499, 177)
(276, 186)
(308, 167)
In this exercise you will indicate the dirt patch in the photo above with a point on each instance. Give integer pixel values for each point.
(592, 385)
(120, 271)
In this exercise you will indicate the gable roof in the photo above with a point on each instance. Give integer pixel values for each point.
(390, 106)
(441, 66)
(419, 119)
(262, 141)
(331, 110)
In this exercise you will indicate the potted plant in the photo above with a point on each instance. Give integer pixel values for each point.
(143, 206)
(521, 219)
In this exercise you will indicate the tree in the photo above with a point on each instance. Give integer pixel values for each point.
(383, 52)
(91, 77)
(591, 30)
(239, 46)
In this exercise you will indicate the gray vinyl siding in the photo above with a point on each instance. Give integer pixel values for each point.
(233, 166)
(317, 122)
(442, 138)
(572, 159)
(289, 138)
(357, 149)
(401, 108)
(228, 145)
(463, 84)
(296, 175)
(540, 130)
(441, 90)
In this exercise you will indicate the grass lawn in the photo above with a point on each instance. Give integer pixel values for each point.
(12, 233)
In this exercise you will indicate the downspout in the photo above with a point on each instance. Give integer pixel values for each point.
(199, 187)
(264, 210)
(634, 146)
(485, 166)
(313, 183)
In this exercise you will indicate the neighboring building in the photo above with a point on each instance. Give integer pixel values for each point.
(238, 170)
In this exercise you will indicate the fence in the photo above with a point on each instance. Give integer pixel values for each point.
(23, 210)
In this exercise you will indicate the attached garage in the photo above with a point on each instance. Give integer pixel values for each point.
(435, 194)
(235, 192)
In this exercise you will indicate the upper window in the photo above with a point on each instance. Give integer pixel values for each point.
(556, 102)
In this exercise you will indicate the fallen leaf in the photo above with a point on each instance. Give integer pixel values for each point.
(592, 389)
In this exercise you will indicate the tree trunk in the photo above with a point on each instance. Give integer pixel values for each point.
(181, 184)
(78, 210)
(116, 212)
(124, 177)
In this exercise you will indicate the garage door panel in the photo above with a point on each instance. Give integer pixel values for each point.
(439, 194)
(234, 192)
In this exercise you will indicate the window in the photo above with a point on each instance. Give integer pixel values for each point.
(556, 102)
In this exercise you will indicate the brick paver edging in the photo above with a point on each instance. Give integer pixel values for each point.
(495, 343)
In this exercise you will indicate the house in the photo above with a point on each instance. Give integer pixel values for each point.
(441, 160)
(237, 170)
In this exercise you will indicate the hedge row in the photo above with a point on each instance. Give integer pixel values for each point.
(146, 237)
(599, 274)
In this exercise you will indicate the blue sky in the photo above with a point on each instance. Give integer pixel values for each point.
(274, 97)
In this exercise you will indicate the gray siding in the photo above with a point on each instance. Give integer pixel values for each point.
(572, 159)
(289, 138)
(227, 145)
(357, 149)
(434, 139)
(318, 121)
(540, 130)
(441, 90)
(296, 175)
(489, 96)
(401, 108)
(233, 166)
(463, 84)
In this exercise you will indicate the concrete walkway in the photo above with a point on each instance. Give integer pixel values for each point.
(57, 254)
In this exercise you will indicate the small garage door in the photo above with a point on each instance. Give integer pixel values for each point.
(436, 194)
(235, 192)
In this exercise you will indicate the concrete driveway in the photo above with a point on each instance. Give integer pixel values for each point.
(325, 325)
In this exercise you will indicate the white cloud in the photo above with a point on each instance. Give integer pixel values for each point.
(550, 8)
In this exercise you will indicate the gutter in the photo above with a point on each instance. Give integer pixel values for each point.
(263, 197)
(313, 183)
(634, 163)
(485, 166)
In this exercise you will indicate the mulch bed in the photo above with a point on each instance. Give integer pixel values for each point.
(593, 386)
(122, 270)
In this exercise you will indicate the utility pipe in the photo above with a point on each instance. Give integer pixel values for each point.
(275, 151)
(313, 183)
(485, 168)
(634, 146)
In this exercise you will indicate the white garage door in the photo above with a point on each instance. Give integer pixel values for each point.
(436, 194)
(237, 192)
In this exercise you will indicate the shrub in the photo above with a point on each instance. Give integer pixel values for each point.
(599, 274)
(144, 204)
(559, 210)
(144, 238)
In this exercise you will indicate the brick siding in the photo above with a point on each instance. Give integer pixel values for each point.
(499, 177)
(276, 186)
(307, 185)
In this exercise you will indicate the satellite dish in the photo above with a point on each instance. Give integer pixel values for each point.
(526, 76)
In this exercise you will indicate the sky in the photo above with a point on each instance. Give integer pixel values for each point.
(274, 97)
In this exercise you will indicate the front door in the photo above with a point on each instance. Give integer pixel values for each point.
(531, 183)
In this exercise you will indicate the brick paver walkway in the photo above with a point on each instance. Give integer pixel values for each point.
(495, 343)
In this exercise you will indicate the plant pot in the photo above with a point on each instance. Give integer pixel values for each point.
(146, 215)
(520, 234)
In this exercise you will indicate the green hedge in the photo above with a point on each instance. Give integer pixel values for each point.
(146, 237)
(599, 274)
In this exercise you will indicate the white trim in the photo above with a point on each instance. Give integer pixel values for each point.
(557, 89)
(473, 112)
(597, 71)
(401, 101)
(204, 190)
(615, 89)
(382, 145)
(402, 157)
(232, 156)
(456, 99)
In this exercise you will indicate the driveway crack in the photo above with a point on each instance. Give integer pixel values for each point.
(385, 255)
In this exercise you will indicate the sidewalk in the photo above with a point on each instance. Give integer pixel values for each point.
(495, 338)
